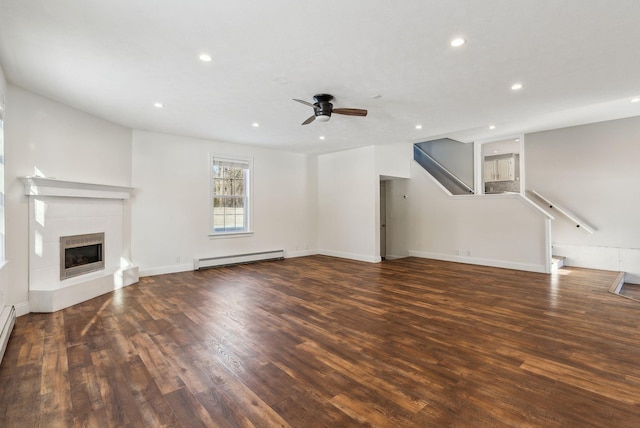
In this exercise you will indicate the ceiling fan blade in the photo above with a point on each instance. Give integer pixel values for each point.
(304, 102)
(350, 111)
(308, 121)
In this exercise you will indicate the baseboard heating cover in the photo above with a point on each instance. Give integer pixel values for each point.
(7, 321)
(237, 259)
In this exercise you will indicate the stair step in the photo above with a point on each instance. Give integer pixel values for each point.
(557, 262)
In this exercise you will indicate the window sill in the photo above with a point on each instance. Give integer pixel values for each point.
(221, 235)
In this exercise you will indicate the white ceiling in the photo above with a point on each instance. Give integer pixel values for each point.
(578, 61)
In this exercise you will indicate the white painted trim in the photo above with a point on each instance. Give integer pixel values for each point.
(359, 257)
(303, 253)
(394, 257)
(242, 159)
(22, 308)
(548, 250)
(163, 270)
(480, 261)
(41, 186)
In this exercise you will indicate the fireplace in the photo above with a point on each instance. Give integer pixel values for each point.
(81, 254)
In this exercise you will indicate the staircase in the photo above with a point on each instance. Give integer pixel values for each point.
(556, 263)
(450, 181)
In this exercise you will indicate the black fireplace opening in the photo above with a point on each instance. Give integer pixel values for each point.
(78, 256)
(81, 254)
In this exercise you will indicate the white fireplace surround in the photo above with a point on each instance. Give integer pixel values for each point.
(63, 208)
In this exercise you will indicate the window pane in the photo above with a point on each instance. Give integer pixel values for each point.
(238, 187)
(226, 187)
(218, 186)
(229, 195)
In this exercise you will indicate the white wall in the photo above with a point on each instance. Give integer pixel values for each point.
(500, 230)
(4, 283)
(348, 204)
(394, 160)
(61, 142)
(170, 209)
(592, 171)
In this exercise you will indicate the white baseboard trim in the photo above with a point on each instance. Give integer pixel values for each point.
(22, 308)
(302, 253)
(163, 270)
(504, 264)
(359, 257)
(394, 257)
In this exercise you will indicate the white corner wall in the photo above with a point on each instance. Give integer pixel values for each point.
(500, 231)
(58, 141)
(592, 171)
(348, 204)
(4, 282)
(170, 208)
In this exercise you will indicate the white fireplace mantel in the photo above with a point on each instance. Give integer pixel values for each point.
(42, 186)
(62, 208)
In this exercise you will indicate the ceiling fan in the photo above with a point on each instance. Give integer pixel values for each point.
(322, 109)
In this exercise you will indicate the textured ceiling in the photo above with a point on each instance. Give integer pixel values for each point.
(577, 60)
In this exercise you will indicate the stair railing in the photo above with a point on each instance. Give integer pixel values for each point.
(451, 176)
(578, 223)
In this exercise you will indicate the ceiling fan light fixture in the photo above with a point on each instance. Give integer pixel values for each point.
(323, 117)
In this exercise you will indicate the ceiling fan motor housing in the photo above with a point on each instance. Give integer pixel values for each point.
(323, 106)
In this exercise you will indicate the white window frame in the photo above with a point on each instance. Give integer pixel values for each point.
(249, 198)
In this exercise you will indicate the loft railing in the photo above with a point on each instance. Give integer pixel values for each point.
(552, 205)
(452, 183)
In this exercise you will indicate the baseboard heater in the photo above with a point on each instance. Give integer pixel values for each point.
(237, 259)
(7, 321)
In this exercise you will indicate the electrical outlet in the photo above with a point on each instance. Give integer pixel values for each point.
(178, 259)
(457, 252)
(469, 253)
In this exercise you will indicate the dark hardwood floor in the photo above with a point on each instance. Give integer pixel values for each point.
(631, 291)
(319, 341)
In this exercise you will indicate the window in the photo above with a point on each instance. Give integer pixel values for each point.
(230, 196)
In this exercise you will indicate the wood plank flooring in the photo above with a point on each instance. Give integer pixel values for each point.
(631, 291)
(324, 342)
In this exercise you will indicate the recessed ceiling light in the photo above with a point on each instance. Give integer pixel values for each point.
(376, 97)
(205, 57)
(255, 124)
(158, 105)
(322, 137)
(516, 86)
(635, 100)
(418, 126)
(492, 127)
(458, 41)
